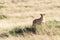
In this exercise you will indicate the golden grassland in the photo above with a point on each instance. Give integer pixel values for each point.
(17, 15)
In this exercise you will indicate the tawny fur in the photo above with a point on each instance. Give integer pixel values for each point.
(39, 20)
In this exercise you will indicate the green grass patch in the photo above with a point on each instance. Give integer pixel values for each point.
(49, 28)
(3, 16)
(2, 6)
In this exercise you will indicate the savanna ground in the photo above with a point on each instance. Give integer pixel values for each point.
(17, 15)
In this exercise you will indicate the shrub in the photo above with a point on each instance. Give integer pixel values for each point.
(16, 31)
(30, 30)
